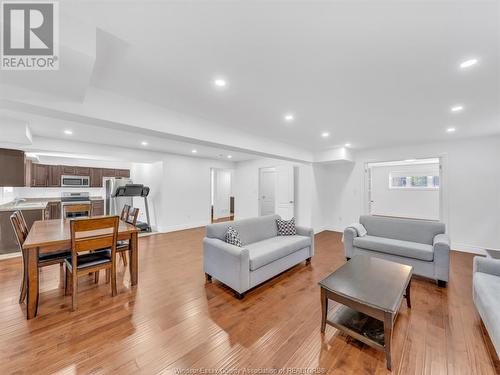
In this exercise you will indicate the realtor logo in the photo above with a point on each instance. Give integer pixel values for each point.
(30, 35)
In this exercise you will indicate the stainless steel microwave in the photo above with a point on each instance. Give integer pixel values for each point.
(75, 181)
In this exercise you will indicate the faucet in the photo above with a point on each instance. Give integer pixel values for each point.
(18, 200)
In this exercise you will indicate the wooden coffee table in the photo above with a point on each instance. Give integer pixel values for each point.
(370, 290)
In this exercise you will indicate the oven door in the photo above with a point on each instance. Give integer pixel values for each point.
(75, 181)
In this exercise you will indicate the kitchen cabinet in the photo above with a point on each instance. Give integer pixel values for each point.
(107, 172)
(95, 177)
(54, 176)
(68, 170)
(122, 172)
(28, 166)
(53, 210)
(97, 207)
(12, 167)
(39, 175)
(82, 171)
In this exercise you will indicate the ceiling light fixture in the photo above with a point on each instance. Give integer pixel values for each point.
(457, 108)
(144, 143)
(451, 130)
(468, 63)
(289, 117)
(68, 132)
(220, 82)
(230, 156)
(194, 151)
(347, 145)
(325, 134)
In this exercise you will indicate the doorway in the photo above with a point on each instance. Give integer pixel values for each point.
(277, 191)
(221, 196)
(408, 188)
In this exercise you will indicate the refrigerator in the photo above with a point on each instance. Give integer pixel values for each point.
(114, 205)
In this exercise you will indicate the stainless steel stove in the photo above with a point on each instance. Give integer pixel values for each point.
(70, 198)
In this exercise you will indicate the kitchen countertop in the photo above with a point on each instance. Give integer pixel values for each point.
(35, 203)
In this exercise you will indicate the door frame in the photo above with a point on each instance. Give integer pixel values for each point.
(444, 206)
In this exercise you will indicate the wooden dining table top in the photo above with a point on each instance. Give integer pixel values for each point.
(57, 232)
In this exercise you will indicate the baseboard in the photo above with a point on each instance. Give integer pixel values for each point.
(177, 227)
(465, 248)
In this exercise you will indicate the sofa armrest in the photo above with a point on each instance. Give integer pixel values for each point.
(308, 232)
(487, 265)
(441, 245)
(349, 235)
(227, 263)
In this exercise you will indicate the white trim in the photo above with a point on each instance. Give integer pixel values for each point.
(465, 248)
(177, 227)
(10, 255)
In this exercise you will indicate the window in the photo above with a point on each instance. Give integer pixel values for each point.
(396, 181)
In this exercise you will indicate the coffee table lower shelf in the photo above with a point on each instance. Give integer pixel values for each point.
(358, 325)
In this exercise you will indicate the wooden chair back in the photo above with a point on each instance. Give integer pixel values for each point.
(125, 211)
(132, 216)
(20, 228)
(93, 234)
(84, 207)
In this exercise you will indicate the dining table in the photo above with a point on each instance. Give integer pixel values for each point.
(53, 236)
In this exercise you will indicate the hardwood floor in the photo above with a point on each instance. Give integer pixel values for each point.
(174, 320)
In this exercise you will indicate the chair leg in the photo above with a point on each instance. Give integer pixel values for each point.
(96, 277)
(123, 255)
(22, 295)
(113, 280)
(74, 283)
(67, 282)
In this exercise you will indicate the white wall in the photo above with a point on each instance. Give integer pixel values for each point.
(407, 202)
(471, 186)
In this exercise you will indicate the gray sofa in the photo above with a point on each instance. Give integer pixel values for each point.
(486, 296)
(263, 255)
(418, 243)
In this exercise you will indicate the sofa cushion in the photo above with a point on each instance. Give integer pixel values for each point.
(421, 231)
(486, 292)
(271, 249)
(406, 249)
(250, 230)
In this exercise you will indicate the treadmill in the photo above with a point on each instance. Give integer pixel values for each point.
(137, 190)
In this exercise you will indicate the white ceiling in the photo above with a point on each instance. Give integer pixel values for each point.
(373, 74)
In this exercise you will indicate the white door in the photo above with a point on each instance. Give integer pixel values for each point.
(267, 190)
(285, 192)
(222, 193)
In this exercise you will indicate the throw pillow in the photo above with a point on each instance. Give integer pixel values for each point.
(286, 227)
(233, 237)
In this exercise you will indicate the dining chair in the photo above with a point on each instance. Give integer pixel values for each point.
(21, 231)
(93, 248)
(125, 211)
(123, 246)
(84, 207)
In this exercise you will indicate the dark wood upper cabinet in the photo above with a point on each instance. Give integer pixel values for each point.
(28, 166)
(95, 177)
(68, 170)
(40, 175)
(55, 172)
(107, 172)
(12, 168)
(82, 171)
(122, 173)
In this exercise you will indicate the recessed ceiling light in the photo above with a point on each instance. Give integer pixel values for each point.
(68, 132)
(451, 130)
(220, 82)
(289, 117)
(468, 63)
(410, 160)
(347, 145)
(144, 143)
(325, 134)
(194, 151)
(230, 156)
(457, 108)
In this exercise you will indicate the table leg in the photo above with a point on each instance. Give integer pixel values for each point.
(32, 283)
(133, 263)
(408, 296)
(388, 338)
(324, 309)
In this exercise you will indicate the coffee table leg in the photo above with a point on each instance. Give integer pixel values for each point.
(408, 298)
(324, 309)
(388, 339)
